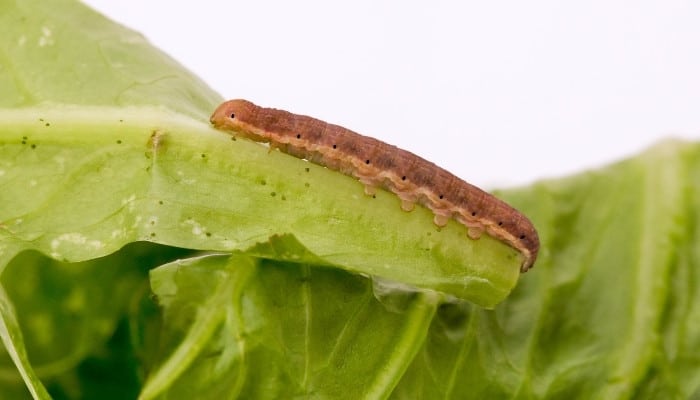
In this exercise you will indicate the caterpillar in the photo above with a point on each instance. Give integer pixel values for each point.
(378, 164)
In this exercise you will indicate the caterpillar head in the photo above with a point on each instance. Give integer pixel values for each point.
(239, 117)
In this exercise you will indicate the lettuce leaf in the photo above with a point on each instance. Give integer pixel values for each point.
(144, 254)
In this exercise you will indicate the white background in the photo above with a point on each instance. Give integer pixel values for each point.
(498, 92)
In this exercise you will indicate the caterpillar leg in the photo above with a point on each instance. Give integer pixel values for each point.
(441, 219)
(407, 205)
(475, 232)
(370, 185)
(408, 202)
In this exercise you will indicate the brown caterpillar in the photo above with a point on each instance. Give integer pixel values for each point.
(378, 164)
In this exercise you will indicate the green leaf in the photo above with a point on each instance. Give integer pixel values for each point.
(312, 289)
(68, 310)
(180, 183)
(69, 54)
(238, 328)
